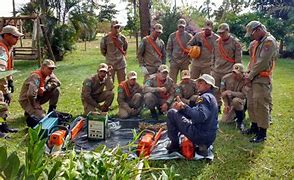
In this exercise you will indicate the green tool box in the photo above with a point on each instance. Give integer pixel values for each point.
(97, 126)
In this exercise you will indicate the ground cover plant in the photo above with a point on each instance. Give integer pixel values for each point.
(235, 157)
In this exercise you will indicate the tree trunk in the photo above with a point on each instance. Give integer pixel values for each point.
(144, 17)
(135, 17)
(281, 47)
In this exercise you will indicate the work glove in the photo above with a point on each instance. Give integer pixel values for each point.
(10, 85)
(144, 70)
(7, 98)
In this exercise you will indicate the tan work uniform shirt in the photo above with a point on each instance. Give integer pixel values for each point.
(93, 87)
(266, 53)
(123, 99)
(4, 57)
(151, 85)
(185, 90)
(147, 56)
(174, 50)
(207, 47)
(31, 86)
(113, 55)
(233, 50)
(236, 86)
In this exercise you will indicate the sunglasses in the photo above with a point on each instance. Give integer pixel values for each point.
(16, 37)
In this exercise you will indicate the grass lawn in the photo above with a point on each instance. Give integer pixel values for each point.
(235, 157)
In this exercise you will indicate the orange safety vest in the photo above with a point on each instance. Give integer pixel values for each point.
(9, 65)
(117, 44)
(157, 50)
(161, 94)
(206, 43)
(267, 73)
(42, 82)
(125, 87)
(184, 49)
(223, 52)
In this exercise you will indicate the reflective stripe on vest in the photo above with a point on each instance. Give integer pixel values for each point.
(9, 65)
(162, 94)
(116, 43)
(206, 43)
(42, 82)
(223, 52)
(266, 73)
(185, 50)
(152, 43)
(125, 87)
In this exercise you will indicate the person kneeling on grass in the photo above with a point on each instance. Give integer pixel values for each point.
(199, 123)
(40, 87)
(129, 97)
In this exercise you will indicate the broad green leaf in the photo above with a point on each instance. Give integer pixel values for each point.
(11, 169)
(55, 168)
(3, 157)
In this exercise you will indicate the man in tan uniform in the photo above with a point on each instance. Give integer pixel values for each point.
(186, 89)
(263, 51)
(151, 52)
(129, 97)
(8, 38)
(159, 91)
(233, 92)
(177, 50)
(40, 87)
(114, 47)
(227, 52)
(97, 89)
(206, 40)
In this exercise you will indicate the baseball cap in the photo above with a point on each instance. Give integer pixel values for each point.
(49, 63)
(223, 27)
(238, 68)
(251, 26)
(115, 23)
(158, 28)
(11, 30)
(182, 22)
(208, 79)
(208, 25)
(185, 74)
(132, 75)
(163, 68)
(103, 67)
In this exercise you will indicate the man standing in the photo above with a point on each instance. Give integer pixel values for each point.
(159, 91)
(234, 95)
(206, 40)
(263, 52)
(9, 38)
(177, 50)
(40, 87)
(151, 52)
(114, 47)
(129, 97)
(227, 52)
(186, 90)
(199, 124)
(97, 89)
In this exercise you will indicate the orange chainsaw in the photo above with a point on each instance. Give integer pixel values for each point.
(58, 138)
(148, 142)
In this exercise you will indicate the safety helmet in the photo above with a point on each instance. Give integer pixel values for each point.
(194, 52)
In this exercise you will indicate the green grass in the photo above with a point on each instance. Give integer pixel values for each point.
(235, 157)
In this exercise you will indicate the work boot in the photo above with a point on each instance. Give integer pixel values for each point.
(172, 148)
(51, 108)
(239, 121)
(154, 114)
(261, 136)
(202, 150)
(4, 128)
(32, 121)
(252, 130)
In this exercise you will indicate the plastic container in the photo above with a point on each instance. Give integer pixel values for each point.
(97, 126)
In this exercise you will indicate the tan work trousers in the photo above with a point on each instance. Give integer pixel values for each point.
(237, 105)
(121, 74)
(105, 96)
(135, 103)
(259, 103)
(151, 100)
(51, 96)
(175, 68)
(197, 71)
(218, 78)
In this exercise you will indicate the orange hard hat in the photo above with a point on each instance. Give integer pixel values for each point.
(194, 52)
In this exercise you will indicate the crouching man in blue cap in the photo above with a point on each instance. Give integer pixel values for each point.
(199, 124)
